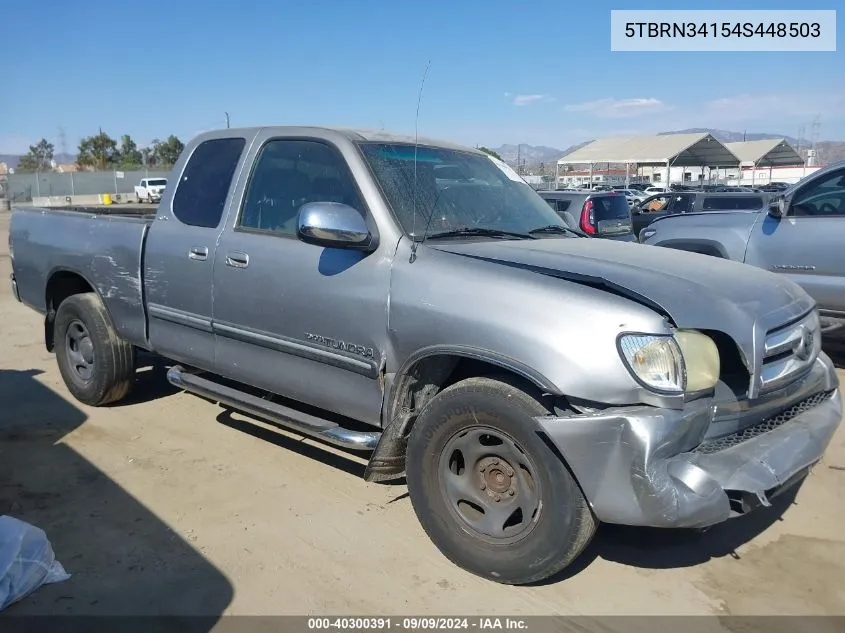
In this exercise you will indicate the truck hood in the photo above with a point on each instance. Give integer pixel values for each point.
(693, 291)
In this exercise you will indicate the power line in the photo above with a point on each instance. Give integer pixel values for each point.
(62, 141)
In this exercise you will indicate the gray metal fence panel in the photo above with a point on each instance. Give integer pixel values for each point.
(23, 187)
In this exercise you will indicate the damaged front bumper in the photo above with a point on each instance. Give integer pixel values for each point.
(659, 467)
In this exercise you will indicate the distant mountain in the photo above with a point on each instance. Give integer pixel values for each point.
(528, 154)
(726, 136)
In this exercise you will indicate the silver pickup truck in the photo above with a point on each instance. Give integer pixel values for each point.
(801, 236)
(419, 301)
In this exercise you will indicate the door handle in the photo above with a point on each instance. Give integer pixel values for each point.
(237, 259)
(198, 252)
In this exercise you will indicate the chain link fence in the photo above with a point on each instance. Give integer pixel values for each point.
(24, 187)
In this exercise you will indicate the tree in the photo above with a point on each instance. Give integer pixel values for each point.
(166, 153)
(98, 151)
(38, 158)
(489, 151)
(130, 157)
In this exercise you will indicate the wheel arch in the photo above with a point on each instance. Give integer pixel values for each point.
(61, 284)
(701, 246)
(450, 363)
(423, 375)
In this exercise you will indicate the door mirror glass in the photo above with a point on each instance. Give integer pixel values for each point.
(334, 225)
(777, 207)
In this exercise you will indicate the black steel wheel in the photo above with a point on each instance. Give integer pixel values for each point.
(97, 366)
(489, 492)
(490, 484)
(80, 350)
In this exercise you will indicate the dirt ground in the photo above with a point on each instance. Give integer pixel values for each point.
(166, 504)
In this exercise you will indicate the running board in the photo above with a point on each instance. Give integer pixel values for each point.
(304, 423)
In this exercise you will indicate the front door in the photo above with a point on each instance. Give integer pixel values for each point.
(179, 255)
(808, 243)
(302, 321)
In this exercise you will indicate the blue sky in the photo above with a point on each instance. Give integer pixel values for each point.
(501, 72)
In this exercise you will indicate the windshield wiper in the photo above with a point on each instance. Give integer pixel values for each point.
(481, 232)
(556, 228)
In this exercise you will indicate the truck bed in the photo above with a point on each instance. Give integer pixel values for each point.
(115, 210)
(104, 247)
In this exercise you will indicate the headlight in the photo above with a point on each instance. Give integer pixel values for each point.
(687, 361)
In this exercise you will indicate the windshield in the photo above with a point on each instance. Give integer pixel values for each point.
(157, 183)
(455, 190)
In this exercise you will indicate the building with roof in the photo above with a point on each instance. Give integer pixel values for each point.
(653, 158)
(682, 159)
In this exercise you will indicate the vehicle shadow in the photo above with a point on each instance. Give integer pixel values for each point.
(661, 548)
(339, 458)
(122, 558)
(150, 380)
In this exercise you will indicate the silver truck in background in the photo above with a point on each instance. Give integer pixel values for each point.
(801, 236)
(422, 303)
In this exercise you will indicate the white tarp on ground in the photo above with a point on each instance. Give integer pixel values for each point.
(26, 560)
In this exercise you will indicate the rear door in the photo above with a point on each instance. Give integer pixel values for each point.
(808, 244)
(179, 253)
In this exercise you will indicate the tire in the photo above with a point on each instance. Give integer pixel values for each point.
(97, 366)
(469, 415)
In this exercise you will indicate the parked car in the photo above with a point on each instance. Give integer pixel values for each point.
(528, 382)
(631, 195)
(775, 187)
(654, 190)
(150, 189)
(800, 235)
(647, 211)
(597, 213)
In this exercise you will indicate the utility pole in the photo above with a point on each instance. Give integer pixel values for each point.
(227, 119)
(102, 150)
(63, 142)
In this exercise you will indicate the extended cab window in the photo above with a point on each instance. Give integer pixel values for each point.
(202, 191)
(289, 174)
(825, 197)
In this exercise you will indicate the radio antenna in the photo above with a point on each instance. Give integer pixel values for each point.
(416, 142)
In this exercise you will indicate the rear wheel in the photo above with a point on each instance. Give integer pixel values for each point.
(486, 488)
(97, 366)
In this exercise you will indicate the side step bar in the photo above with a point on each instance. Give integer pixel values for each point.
(284, 416)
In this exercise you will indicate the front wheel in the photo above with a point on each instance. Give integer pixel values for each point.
(488, 491)
(97, 366)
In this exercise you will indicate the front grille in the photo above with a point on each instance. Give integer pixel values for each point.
(789, 352)
(768, 424)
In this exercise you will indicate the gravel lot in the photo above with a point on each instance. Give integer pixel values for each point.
(168, 504)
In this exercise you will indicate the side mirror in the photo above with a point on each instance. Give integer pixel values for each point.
(777, 207)
(334, 225)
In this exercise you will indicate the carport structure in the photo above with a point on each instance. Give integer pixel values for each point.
(770, 152)
(664, 150)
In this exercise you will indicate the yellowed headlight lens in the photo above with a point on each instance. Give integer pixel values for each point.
(701, 359)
